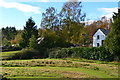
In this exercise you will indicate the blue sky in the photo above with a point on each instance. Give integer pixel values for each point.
(16, 13)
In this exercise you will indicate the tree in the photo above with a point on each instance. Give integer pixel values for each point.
(9, 33)
(29, 30)
(112, 42)
(52, 40)
(49, 19)
(33, 42)
(17, 38)
(71, 22)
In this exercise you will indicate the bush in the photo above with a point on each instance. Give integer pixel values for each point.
(59, 53)
(94, 53)
(27, 54)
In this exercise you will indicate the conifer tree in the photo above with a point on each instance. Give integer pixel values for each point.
(112, 42)
(33, 42)
(29, 30)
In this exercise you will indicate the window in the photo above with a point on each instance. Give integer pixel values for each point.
(98, 37)
(102, 42)
(98, 44)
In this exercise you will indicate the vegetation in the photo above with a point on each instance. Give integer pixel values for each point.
(8, 33)
(93, 53)
(112, 42)
(6, 55)
(33, 42)
(26, 54)
(29, 30)
(59, 68)
(56, 39)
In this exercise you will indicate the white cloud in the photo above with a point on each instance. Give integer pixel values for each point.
(27, 0)
(108, 12)
(19, 6)
(88, 22)
(44, 0)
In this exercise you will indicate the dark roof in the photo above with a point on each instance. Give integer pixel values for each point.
(104, 31)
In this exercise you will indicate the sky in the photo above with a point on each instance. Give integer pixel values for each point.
(15, 13)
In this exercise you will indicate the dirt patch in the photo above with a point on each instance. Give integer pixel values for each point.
(71, 74)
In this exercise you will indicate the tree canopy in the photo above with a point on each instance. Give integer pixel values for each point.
(29, 29)
(112, 42)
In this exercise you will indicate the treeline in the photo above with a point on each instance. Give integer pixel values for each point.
(57, 30)
(68, 25)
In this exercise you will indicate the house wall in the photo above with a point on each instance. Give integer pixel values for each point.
(102, 36)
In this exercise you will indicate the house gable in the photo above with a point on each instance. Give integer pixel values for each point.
(99, 32)
(99, 37)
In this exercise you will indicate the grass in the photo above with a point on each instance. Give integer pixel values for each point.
(58, 68)
(8, 54)
(56, 72)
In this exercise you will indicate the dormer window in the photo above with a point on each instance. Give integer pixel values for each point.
(98, 37)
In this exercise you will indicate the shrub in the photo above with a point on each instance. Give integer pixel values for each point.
(27, 54)
(94, 53)
(59, 53)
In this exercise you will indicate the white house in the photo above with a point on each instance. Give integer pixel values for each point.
(99, 37)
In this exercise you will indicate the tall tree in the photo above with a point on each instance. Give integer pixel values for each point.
(112, 42)
(71, 11)
(49, 19)
(29, 29)
(71, 21)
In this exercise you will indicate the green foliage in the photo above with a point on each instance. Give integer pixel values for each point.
(67, 23)
(33, 42)
(50, 19)
(71, 11)
(58, 53)
(112, 42)
(70, 22)
(6, 42)
(94, 53)
(9, 33)
(29, 30)
(52, 40)
(17, 38)
(26, 54)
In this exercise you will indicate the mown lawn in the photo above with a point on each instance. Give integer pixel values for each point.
(57, 68)
(5, 55)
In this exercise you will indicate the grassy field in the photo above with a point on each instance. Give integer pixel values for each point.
(5, 55)
(59, 68)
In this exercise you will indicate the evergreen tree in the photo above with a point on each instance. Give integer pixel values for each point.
(29, 30)
(112, 42)
(33, 42)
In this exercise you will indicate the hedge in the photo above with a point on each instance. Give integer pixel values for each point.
(94, 53)
(27, 54)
